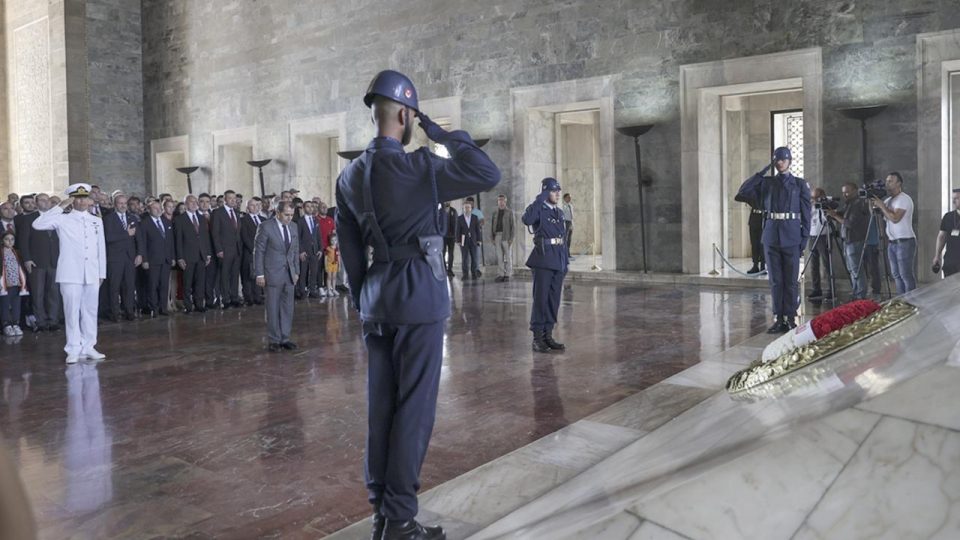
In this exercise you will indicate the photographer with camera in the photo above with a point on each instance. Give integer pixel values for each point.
(853, 217)
(897, 209)
(949, 237)
(820, 244)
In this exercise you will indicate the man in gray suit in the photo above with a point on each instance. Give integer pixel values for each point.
(276, 261)
(502, 234)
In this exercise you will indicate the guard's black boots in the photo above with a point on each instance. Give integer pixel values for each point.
(411, 530)
(548, 339)
(779, 327)
(539, 345)
(754, 269)
(379, 522)
(791, 322)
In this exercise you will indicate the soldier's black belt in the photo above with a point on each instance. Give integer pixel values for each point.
(782, 216)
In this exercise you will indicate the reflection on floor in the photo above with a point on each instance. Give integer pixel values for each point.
(812, 466)
(190, 429)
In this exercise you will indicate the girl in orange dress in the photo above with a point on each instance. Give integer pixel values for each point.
(332, 263)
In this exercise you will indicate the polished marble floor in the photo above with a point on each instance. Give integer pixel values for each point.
(191, 429)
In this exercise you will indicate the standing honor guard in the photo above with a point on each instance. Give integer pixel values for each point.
(389, 200)
(785, 200)
(548, 262)
(81, 268)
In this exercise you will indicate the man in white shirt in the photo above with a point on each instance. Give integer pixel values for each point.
(81, 268)
(897, 209)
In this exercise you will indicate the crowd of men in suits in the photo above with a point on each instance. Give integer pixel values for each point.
(164, 255)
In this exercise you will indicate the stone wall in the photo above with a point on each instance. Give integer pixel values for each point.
(210, 66)
(115, 94)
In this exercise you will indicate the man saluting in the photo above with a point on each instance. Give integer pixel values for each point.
(81, 268)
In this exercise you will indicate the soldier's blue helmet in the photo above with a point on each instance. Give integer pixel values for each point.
(782, 153)
(393, 85)
(549, 184)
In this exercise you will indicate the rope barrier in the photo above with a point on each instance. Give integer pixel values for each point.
(730, 265)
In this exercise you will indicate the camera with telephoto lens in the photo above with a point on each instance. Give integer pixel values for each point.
(874, 189)
(826, 203)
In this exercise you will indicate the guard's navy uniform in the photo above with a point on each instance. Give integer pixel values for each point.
(785, 200)
(548, 262)
(390, 200)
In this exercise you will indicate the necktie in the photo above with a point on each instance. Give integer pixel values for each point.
(163, 233)
(233, 218)
(286, 236)
(123, 219)
(196, 223)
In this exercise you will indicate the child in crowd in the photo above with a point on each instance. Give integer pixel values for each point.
(13, 285)
(332, 263)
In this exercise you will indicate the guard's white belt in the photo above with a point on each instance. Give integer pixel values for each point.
(754, 211)
(782, 216)
(552, 241)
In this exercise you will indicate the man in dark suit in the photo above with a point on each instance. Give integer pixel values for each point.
(225, 224)
(276, 261)
(212, 273)
(192, 246)
(449, 235)
(39, 251)
(310, 252)
(119, 231)
(252, 294)
(469, 236)
(156, 249)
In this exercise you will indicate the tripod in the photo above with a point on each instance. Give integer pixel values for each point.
(876, 219)
(826, 234)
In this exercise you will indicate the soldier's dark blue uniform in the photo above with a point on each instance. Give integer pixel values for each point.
(389, 200)
(548, 261)
(785, 200)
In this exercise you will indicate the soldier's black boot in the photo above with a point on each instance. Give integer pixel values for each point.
(754, 269)
(379, 522)
(779, 327)
(791, 322)
(538, 344)
(411, 530)
(548, 339)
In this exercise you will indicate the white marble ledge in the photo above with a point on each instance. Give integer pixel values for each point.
(903, 483)
(767, 493)
(626, 526)
(933, 397)
(652, 407)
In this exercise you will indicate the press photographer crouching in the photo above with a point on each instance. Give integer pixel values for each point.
(854, 217)
(897, 209)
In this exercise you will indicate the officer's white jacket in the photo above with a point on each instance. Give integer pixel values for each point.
(83, 250)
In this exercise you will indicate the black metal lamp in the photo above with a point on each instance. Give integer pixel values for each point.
(863, 114)
(260, 164)
(636, 132)
(188, 171)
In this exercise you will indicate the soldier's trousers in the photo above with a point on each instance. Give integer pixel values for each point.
(547, 288)
(756, 235)
(783, 270)
(403, 378)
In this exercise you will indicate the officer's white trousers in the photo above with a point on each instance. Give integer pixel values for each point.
(80, 305)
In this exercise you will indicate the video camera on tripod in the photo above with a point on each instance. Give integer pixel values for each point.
(826, 203)
(874, 189)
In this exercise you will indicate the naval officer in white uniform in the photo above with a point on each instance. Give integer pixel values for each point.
(81, 268)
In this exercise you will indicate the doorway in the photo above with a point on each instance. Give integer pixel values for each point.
(753, 125)
(317, 166)
(168, 179)
(233, 171)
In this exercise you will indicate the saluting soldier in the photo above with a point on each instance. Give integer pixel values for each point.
(390, 200)
(548, 261)
(81, 268)
(785, 200)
